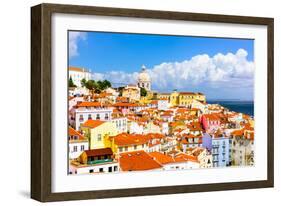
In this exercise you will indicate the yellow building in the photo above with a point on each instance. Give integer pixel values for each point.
(182, 98)
(186, 98)
(128, 143)
(98, 133)
(163, 96)
(174, 98)
(132, 92)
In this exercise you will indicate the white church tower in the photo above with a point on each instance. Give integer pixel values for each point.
(144, 80)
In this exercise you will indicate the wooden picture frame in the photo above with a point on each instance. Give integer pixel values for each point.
(41, 97)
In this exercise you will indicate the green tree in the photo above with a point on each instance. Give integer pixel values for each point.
(102, 85)
(83, 82)
(91, 84)
(143, 92)
(106, 83)
(71, 83)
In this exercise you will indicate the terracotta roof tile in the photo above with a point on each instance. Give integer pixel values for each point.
(161, 158)
(89, 104)
(73, 132)
(99, 152)
(136, 161)
(93, 123)
(130, 139)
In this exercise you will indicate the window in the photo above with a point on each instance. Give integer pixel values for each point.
(75, 148)
(120, 149)
(91, 171)
(101, 170)
(99, 137)
(82, 147)
(110, 169)
(126, 148)
(106, 116)
(81, 119)
(89, 116)
(115, 168)
(98, 116)
(135, 147)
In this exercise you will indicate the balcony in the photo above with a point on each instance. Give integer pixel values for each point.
(94, 162)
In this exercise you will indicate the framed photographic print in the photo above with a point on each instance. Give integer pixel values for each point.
(130, 102)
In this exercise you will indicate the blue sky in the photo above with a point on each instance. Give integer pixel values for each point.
(221, 60)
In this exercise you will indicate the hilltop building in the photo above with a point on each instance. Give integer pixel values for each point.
(144, 80)
(77, 74)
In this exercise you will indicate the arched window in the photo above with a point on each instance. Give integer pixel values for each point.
(89, 116)
(98, 116)
(106, 116)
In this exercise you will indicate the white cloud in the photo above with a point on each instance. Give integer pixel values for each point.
(74, 38)
(117, 77)
(200, 72)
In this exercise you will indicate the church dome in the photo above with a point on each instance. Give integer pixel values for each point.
(143, 75)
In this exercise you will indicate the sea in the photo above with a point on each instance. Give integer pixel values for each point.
(246, 107)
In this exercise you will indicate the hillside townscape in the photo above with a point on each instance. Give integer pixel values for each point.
(135, 128)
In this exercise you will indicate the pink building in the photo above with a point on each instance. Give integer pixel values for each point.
(210, 122)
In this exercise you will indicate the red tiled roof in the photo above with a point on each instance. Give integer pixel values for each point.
(73, 132)
(99, 152)
(93, 123)
(125, 104)
(185, 157)
(187, 93)
(76, 69)
(130, 139)
(89, 104)
(161, 158)
(135, 161)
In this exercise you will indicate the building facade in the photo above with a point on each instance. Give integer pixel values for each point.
(77, 74)
(144, 80)
(220, 151)
(77, 143)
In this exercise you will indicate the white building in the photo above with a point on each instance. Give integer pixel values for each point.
(112, 91)
(89, 110)
(199, 105)
(77, 143)
(136, 128)
(164, 128)
(94, 161)
(78, 91)
(73, 101)
(121, 124)
(98, 168)
(77, 74)
(177, 162)
(144, 80)
(162, 104)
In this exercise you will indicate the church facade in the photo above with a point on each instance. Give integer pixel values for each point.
(144, 80)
